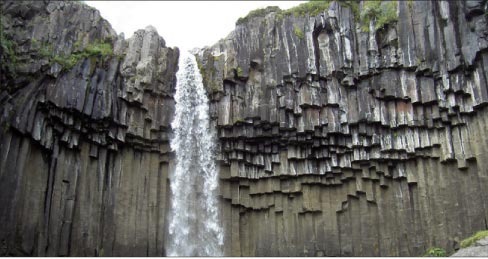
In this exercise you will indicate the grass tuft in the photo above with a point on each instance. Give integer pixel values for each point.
(435, 252)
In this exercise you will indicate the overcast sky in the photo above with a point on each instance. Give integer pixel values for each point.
(185, 24)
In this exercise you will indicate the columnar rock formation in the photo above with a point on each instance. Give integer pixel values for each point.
(83, 149)
(333, 140)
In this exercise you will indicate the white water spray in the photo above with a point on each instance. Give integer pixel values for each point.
(194, 228)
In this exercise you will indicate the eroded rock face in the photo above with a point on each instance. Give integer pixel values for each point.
(332, 141)
(339, 142)
(84, 140)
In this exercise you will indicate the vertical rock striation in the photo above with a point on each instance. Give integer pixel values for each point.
(339, 141)
(337, 135)
(84, 146)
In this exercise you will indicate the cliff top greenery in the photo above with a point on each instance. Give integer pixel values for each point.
(261, 12)
(382, 12)
(312, 8)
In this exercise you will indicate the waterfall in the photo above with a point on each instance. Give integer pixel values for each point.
(194, 228)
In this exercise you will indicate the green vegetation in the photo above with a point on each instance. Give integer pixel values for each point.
(258, 13)
(5, 127)
(103, 49)
(311, 8)
(410, 4)
(77, 44)
(239, 72)
(435, 252)
(371, 9)
(214, 88)
(9, 58)
(238, 120)
(45, 51)
(314, 7)
(207, 74)
(354, 5)
(298, 32)
(8, 47)
(97, 49)
(67, 62)
(472, 239)
(382, 13)
(440, 252)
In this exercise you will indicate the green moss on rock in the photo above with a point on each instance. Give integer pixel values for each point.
(97, 49)
(238, 120)
(298, 32)
(472, 239)
(8, 49)
(239, 72)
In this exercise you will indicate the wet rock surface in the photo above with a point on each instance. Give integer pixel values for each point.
(84, 140)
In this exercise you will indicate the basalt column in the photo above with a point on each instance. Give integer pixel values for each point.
(345, 137)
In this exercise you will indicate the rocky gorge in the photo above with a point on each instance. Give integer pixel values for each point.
(355, 129)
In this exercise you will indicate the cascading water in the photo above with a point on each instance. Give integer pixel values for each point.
(194, 227)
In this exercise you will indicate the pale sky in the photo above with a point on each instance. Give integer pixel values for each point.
(184, 24)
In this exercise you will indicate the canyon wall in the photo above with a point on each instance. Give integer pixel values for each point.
(334, 139)
(84, 151)
(340, 140)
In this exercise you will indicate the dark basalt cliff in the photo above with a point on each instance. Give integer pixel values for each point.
(333, 141)
(84, 140)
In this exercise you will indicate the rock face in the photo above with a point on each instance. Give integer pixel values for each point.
(333, 141)
(480, 248)
(339, 142)
(84, 141)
